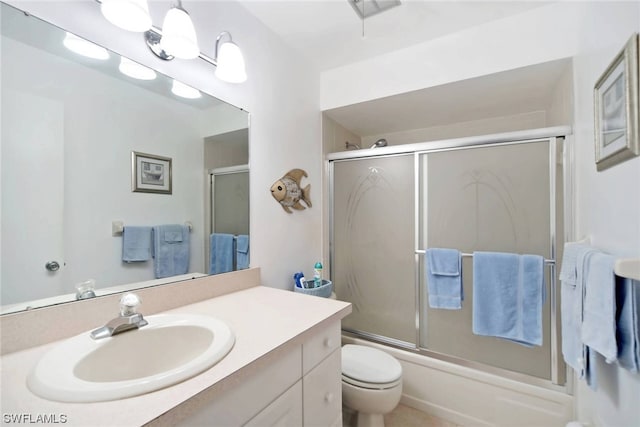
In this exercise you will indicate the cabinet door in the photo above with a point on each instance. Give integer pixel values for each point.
(322, 392)
(285, 411)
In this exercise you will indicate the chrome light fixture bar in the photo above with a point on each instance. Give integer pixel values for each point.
(177, 38)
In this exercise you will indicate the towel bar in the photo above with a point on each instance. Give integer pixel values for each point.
(117, 227)
(468, 255)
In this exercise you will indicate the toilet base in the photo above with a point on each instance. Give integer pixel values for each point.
(370, 420)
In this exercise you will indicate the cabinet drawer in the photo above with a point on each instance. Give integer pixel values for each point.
(322, 392)
(241, 402)
(285, 411)
(322, 344)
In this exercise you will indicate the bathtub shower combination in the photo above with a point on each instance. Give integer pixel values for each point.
(500, 193)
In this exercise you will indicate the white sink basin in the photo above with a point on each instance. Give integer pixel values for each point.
(170, 349)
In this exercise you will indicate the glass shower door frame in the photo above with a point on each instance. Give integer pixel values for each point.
(559, 373)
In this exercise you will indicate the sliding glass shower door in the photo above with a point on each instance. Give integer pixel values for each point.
(505, 196)
(372, 262)
(497, 199)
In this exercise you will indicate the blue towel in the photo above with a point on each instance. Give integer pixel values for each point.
(444, 278)
(569, 268)
(136, 244)
(508, 292)
(628, 323)
(599, 310)
(221, 253)
(571, 303)
(242, 252)
(170, 250)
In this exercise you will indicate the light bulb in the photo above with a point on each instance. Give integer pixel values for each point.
(85, 47)
(230, 62)
(178, 35)
(135, 70)
(131, 15)
(184, 91)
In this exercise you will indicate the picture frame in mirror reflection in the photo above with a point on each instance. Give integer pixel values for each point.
(616, 102)
(150, 173)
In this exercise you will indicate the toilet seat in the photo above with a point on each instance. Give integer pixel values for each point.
(370, 386)
(369, 368)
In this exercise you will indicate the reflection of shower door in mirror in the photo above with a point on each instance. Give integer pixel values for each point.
(229, 201)
(489, 198)
(32, 197)
(373, 239)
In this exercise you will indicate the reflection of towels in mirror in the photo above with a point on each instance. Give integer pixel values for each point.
(221, 253)
(136, 243)
(242, 252)
(170, 250)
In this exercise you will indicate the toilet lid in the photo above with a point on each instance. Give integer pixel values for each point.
(369, 365)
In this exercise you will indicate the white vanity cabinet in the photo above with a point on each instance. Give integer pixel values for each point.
(298, 386)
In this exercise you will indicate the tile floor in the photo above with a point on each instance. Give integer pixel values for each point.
(402, 416)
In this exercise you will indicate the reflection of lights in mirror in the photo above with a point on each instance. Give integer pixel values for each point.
(84, 47)
(135, 70)
(178, 34)
(130, 15)
(177, 39)
(184, 91)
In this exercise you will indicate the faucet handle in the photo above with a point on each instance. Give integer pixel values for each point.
(129, 304)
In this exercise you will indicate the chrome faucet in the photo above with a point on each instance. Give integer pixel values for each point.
(129, 319)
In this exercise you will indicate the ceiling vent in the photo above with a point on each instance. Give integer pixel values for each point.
(367, 8)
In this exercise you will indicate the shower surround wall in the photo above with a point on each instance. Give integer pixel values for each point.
(495, 195)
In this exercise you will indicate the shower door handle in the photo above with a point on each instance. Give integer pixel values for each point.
(52, 266)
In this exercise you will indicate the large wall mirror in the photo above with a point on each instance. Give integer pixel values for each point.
(78, 136)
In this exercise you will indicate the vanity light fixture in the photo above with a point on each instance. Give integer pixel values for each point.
(84, 47)
(178, 34)
(131, 15)
(184, 91)
(230, 62)
(177, 38)
(135, 70)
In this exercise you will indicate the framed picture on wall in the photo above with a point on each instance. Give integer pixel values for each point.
(616, 109)
(150, 173)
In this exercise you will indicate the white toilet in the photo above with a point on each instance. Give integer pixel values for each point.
(371, 383)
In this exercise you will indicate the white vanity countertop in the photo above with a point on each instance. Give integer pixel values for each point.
(263, 319)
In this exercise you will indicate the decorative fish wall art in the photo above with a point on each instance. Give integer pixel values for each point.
(288, 193)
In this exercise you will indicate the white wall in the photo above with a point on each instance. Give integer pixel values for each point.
(608, 202)
(281, 94)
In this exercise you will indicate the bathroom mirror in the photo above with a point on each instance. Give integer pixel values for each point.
(70, 127)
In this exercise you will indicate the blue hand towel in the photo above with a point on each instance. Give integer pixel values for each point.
(171, 250)
(221, 253)
(242, 252)
(628, 323)
(444, 278)
(574, 261)
(599, 310)
(508, 292)
(136, 244)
